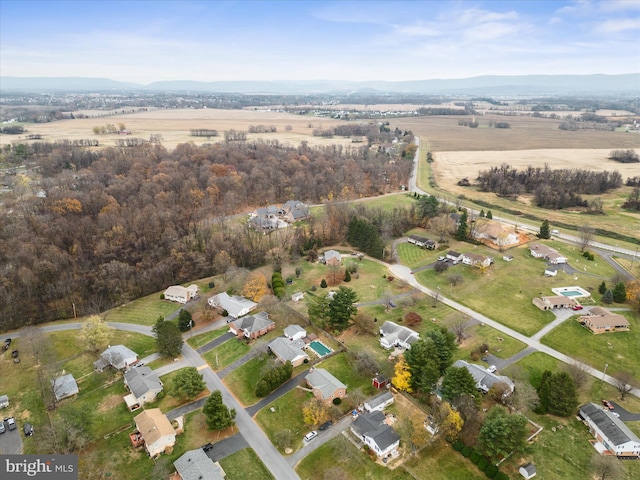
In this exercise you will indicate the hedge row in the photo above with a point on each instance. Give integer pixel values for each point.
(277, 284)
(273, 378)
(490, 471)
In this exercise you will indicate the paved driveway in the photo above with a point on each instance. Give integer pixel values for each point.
(625, 415)
(10, 441)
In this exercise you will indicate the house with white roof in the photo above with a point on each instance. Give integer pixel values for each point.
(236, 306)
(117, 356)
(180, 294)
(295, 332)
(485, 379)
(394, 335)
(379, 402)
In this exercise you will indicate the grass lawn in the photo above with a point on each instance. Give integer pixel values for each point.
(245, 465)
(478, 334)
(341, 367)
(242, 381)
(144, 311)
(414, 257)
(204, 338)
(170, 401)
(287, 415)
(224, 355)
(439, 461)
(618, 349)
(389, 202)
(339, 458)
(532, 366)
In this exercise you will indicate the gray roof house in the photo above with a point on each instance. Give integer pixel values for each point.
(612, 435)
(144, 386)
(287, 350)
(379, 402)
(64, 387)
(324, 385)
(236, 306)
(394, 335)
(196, 465)
(252, 326)
(332, 257)
(295, 332)
(484, 379)
(380, 437)
(118, 356)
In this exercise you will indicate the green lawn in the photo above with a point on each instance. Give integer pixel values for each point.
(224, 355)
(618, 349)
(439, 461)
(414, 257)
(339, 458)
(532, 366)
(144, 311)
(242, 381)
(204, 338)
(245, 465)
(340, 366)
(500, 344)
(287, 415)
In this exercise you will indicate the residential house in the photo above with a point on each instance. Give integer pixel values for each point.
(180, 294)
(252, 327)
(485, 379)
(556, 258)
(289, 350)
(196, 465)
(295, 211)
(324, 385)
(601, 320)
(236, 306)
(476, 260)
(332, 257)
(144, 386)
(156, 431)
(294, 332)
(380, 381)
(372, 429)
(528, 470)
(456, 218)
(117, 356)
(554, 301)
(394, 335)
(379, 402)
(454, 256)
(64, 386)
(417, 240)
(495, 232)
(550, 254)
(612, 436)
(431, 245)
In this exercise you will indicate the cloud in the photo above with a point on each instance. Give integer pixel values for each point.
(619, 25)
(417, 30)
(618, 5)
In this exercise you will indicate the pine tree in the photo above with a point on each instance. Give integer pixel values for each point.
(323, 283)
(217, 413)
(463, 228)
(607, 297)
(620, 293)
(545, 231)
(347, 276)
(481, 214)
(489, 215)
(602, 289)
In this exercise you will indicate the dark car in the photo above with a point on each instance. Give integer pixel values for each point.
(207, 447)
(7, 341)
(14, 354)
(325, 426)
(28, 429)
(392, 304)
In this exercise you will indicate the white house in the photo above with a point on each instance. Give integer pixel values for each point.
(64, 386)
(453, 256)
(144, 386)
(495, 232)
(371, 428)
(118, 356)
(485, 379)
(394, 335)
(296, 297)
(612, 436)
(236, 306)
(180, 294)
(550, 254)
(156, 430)
(476, 260)
(379, 402)
(294, 332)
(550, 272)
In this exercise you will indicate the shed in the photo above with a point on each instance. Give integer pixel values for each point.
(528, 470)
(4, 401)
(380, 381)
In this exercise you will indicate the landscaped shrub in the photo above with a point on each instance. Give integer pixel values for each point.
(458, 446)
(273, 378)
(323, 283)
(466, 452)
(212, 285)
(491, 471)
(337, 401)
(225, 313)
(501, 476)
(483, 465)
(162, 296)
(475, 457)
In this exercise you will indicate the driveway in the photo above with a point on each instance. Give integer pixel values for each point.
(323, 437)
(226, 447)
(625, 415)
(215, 342)
(292, 383)
(11, 441)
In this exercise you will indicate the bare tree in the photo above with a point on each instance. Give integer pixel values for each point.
(578, 372)
(586, 236)
(442, 225)
(458, 325)
(623, 382)
(524, 397)
(606, 468)
(36, 343)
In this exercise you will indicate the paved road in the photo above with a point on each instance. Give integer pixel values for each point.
(215, 342)
(226, 447)
(184, 409)
(292, 383)
(257, 349)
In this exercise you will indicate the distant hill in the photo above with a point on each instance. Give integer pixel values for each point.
(485, 85)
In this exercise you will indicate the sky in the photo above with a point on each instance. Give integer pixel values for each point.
(147, 41)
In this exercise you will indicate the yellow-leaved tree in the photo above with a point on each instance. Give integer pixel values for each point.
(452, 423)
(402, 377)
(96, 333)
(255, 287)
(315, 411)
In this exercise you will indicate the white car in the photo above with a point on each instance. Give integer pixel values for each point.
(491, 368)
(310, 436)
(616, 414)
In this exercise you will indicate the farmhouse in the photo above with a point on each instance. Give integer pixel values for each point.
(177, 293)
(118, 356)
(288, 350)
(64, 387)
(252, 327)
(554, 301)
(155, 430)
(236, 306)
(372, 428)
(484, 379)
(495, 232)
(601, 320)
(332, 257)
(379, 402)
(612, 437)
(394, 335)
(476, 260)
(324, 385)
(196, 465)
(144, 386)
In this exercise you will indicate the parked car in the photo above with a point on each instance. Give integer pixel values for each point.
(608, 405)
(28, 429)
(392, 304)
(2, 429)
(14, 354)
(491, 368)
(615, 414)
(442, 259)
(310, 436)
(325, 426)
(207, 447)
(577, 307)
(11, 423)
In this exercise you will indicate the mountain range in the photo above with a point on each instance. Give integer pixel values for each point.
(627, 84)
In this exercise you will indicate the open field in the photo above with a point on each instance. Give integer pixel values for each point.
(245, 465)
(144, 311)
(175, 126)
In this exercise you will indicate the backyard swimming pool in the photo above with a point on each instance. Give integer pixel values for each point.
(574, 292)
(320, 348)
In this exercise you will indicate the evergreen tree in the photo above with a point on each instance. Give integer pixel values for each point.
(502, 433)
(457, 382)
(463, 227)
(428, 206)
(188, 383)
(607, 297)
(445, 343)
(342, 308)
(489, 215)
(168, 337)
(347, 276)
(482, 214)
(619, 293)
(184, 320)
(602, 289)
(217, 413)
(545, 230)
(318, 310)
(557, 393)
(323, 283)
(424, 364)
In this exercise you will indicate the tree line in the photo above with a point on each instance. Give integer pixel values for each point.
(116, 224)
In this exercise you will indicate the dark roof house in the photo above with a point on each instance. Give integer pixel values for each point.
(380, 437)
